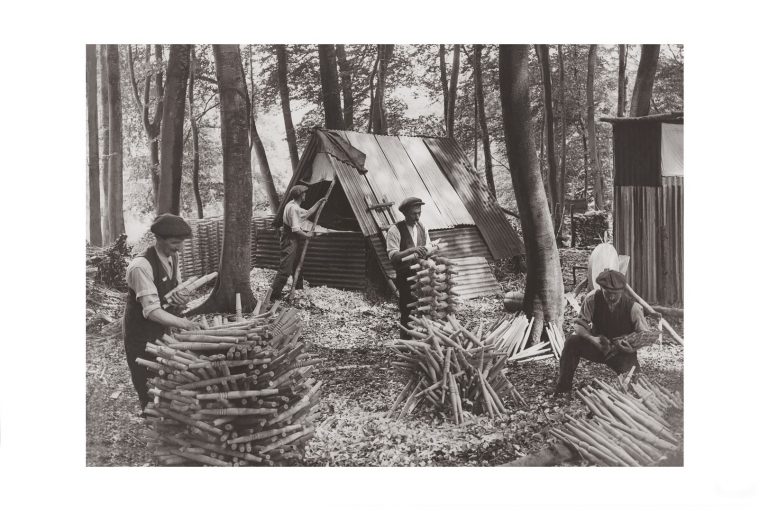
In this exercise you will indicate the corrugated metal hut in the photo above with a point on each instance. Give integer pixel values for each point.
(648, 203)
(371, 174)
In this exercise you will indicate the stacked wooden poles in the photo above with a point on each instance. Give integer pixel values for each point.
(233, 394)
(450, 366)
(625, 430)
(432, 285)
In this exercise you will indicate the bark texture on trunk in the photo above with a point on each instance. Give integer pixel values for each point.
(329, 82)
(591, 133)
(104, 129)
(444, 85)
(479, 94)
(235, 263)
(117, 226)
(564, 130)
(549, 119)
(94, 194)
(195, 136)
(172, 130)
(646, 72)
(285, 103)
(345, 73)
(453, 89)
(544, 282)
(378, 107)
(622, 103)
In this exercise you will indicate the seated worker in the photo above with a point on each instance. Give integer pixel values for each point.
(409, 236)
(293, 232)
(607, 313)
(150, 277)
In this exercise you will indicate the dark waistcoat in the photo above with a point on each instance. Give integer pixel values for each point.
(612, 323)
(406, 242)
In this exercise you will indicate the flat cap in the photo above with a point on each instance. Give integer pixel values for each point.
(296, 191)
(169, 225)
(611, 280)
(408, 202)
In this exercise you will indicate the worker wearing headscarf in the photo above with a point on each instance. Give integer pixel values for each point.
(606, 313)
(409, 236)
(292, 235)
(150, 277)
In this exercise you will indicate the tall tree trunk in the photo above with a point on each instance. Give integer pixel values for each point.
(258, 145)
(562, 178)
(622, 103)
(646, 72)
(444, 85)
(116, 222)
(329, 81)
(285, 102)
(480, 96)
(453, 89)
(544, 281)
(378, 107)
(172, 149)
(195, 135)
(235, 263)
(593, 157)
(585, 150)
(549, 119)
(151, 127)
(94, 200)
(105, 155)
(345, 74)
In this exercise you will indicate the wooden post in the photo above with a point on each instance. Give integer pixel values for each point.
(306, 242)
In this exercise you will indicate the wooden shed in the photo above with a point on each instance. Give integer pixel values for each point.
(648, 203)
(371, 174)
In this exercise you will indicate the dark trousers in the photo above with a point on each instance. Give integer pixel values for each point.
(406, 297)
(290, 247)
(134, 349)
(577, 347)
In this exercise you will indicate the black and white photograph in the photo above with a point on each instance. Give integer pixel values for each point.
(360, 256)
(385, 255)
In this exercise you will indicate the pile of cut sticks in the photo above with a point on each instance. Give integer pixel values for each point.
(625, 430)
(450, 366)
(233, 394)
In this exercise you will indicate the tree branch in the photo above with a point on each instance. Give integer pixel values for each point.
(134, 85)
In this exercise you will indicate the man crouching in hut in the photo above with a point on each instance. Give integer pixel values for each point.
(606, 314)
(409, 236)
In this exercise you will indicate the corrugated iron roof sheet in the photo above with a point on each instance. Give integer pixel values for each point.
(498, 234)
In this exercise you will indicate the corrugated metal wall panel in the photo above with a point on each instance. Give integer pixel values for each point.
(501, 239)
(475, 278)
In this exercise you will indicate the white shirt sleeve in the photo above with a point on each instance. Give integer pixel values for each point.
(393, 241)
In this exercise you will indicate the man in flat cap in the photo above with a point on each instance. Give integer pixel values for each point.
(294, 231)
(150, 277)
(409, 236)
(606, 313)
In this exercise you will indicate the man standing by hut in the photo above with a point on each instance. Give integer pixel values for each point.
(409, 236)
(292, 233)
(606, 314)
(150, 277)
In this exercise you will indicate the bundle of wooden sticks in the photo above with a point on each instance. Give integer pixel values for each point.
(233, 394)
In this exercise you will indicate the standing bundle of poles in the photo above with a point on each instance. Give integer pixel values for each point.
(233, 394)
(432, 285)
(625, 430)
(451, 366)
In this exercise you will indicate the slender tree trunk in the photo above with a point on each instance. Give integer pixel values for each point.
(544, 282)
(94, 200)
(258, 145)
(591, 127)
(453, 89)
(195, 135)
(444, 85)
(378, 108)
(346, 86)
(646, 72)
(480, 96)
(115, 143)
(105, 155)
(549, 117)
(285, 102)
(585, 148)
(235, 264)
(329, 81)
(622, 103)
(172, 150)
(562, 178)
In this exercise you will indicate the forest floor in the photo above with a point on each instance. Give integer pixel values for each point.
(350, 331)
